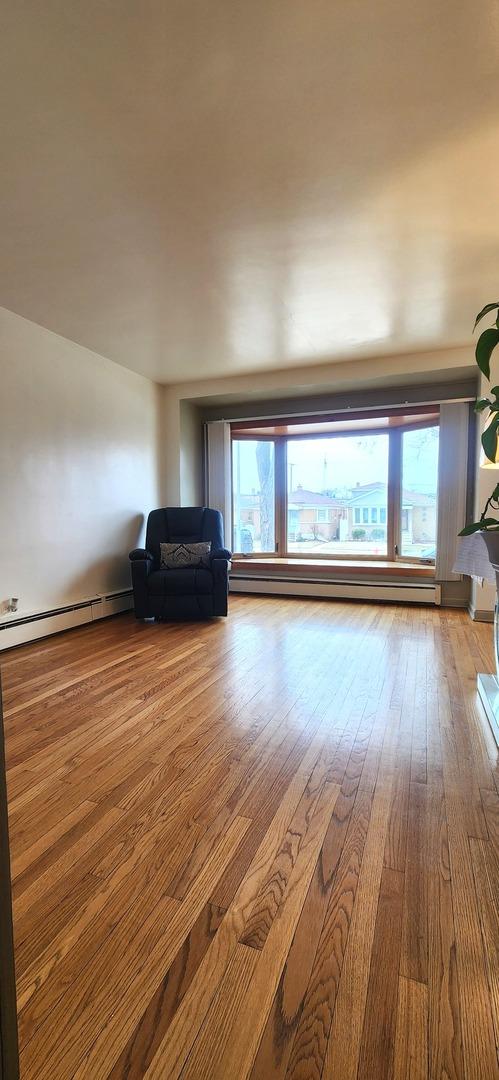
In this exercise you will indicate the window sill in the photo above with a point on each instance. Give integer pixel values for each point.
(346, 568)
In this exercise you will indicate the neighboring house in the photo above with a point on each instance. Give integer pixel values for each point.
(249, 511)
(419, 517)
(358, 514)
(367, 511)
(312, 514)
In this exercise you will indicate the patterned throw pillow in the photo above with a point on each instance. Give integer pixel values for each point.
(178, 556)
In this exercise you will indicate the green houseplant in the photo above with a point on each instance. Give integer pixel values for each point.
(485, 346)
(488, 526)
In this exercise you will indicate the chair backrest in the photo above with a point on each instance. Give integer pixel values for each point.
(183, 525)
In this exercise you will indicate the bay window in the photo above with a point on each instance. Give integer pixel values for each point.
(363, 488)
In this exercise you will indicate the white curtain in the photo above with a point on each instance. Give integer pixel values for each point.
(452, 484)
(218, 488)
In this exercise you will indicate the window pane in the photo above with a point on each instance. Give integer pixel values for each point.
(253, 488)
(418, 533)
(337, 492)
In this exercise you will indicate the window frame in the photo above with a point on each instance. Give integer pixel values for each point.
(253, 438)
(399, 557)
(393, 521)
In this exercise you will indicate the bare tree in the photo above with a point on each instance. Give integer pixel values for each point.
(423, 440)
(265, 465)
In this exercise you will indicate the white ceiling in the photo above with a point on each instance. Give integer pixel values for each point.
(208, 187)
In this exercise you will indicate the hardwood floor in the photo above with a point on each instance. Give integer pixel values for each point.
(261, 847)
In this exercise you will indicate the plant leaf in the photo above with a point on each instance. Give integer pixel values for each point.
(477, 526)
(489, 439)
(484, 348)
(483, 312)
(483, 403)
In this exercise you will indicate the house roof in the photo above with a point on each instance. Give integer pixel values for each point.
(304, 497)
(410, 498)
(249, 500)
(418, 498)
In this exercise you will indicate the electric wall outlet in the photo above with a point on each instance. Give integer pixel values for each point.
(9, 605)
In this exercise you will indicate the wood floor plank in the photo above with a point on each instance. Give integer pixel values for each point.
(208, 1058)
(378, 1036)
(414, 956)
(310, 1042)
(486, 874)
(262, 847)
(396, 837)
(445, 1037)
(272, 892)
(75, 941)
(154, 1022)
(138, 965)
(345, 1036)
(49, 846)
(214, 1055)
(411, 1047)
(490, 802)
(474, 993)
(277, 1040)
(174, 1051)
(230, 799)
(264, 804)
(291, 995)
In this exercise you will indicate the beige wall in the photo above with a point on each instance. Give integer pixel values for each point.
(191, 455)
(183, 432)
(80, 447)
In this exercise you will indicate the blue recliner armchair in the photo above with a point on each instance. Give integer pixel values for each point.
(183, 593)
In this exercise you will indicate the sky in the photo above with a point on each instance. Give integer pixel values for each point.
(325, 464)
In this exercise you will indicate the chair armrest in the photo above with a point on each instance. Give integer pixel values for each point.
(221, 553)
(142, 563)
(220, 570)
(140, 553)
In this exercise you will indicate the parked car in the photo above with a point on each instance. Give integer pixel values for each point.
(246, 538)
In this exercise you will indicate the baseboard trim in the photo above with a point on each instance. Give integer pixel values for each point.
(17, 630)
(338, 590)
(480, 614)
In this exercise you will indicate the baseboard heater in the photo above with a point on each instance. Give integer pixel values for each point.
(403, 593)
(18, 629)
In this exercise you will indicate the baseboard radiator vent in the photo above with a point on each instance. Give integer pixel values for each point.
(403, 593)
(480, 614)
(16, 629)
